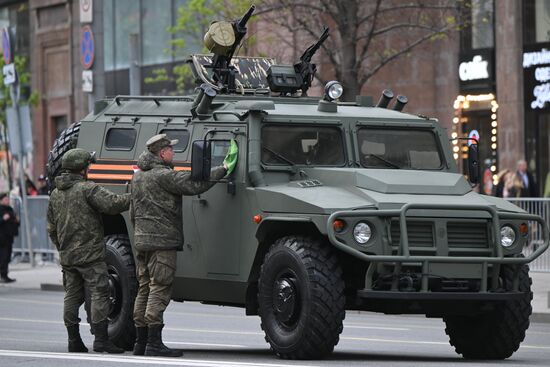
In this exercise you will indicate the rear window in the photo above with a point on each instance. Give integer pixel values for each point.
(120, 139)
(181, 135)
(302, 145)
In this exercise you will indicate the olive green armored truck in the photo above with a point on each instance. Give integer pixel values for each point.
(333, 206)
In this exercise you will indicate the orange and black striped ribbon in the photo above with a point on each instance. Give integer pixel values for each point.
(119, 172)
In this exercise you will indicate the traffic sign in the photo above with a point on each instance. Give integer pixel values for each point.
(10, 75)
(6, 45)
(86, 47)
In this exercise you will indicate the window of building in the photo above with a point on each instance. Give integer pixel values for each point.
(149, 19)
(181, 135)
(480, 24)
(536, 20)
(120, 139)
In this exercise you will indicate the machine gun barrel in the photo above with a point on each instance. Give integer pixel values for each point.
(244, 19)
(311, 50)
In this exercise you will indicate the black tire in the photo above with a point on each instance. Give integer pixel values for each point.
(498, 334)
(301, 298)
(123, 288)
(66, 141)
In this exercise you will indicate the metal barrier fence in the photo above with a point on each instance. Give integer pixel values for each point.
(41, 244)
(541, 207)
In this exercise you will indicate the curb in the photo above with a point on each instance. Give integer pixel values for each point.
(51, 287)
(540, 317)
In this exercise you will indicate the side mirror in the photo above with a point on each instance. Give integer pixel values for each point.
(201, 160)
(473, 164)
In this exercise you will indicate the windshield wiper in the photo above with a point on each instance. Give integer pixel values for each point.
(277, 155)
(388, 163)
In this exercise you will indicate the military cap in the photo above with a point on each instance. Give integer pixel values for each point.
(157, 142)
(77, 159)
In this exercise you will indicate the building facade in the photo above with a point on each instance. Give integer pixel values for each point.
(491, 81)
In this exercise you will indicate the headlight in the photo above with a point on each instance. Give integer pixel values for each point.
(362, 233)
(507, 236)
(333, 90)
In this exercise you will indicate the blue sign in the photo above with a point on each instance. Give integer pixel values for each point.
(6, 45)
(86, 47)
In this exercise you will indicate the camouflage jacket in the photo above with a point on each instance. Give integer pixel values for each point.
(75, 224)
(156, 207)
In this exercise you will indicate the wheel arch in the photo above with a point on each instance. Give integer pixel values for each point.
(115, 224)
(269, 231)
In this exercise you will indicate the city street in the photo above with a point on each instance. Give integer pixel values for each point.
(32, 334)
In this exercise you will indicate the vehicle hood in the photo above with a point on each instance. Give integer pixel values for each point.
(325, 191)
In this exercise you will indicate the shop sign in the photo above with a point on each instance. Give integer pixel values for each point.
(475, 71)
(536, 65)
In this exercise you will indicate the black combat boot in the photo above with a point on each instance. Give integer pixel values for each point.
(102, 343)
(76, 345)
(141, 341)
(155, 347)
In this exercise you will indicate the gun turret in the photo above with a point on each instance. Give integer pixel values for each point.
(305, 67)
(288, 79)
(222, 39)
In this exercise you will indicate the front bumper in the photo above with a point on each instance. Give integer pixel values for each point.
(404, 255)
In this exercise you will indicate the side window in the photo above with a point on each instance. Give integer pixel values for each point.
(120, 139)
(219, 151)
(181, 135)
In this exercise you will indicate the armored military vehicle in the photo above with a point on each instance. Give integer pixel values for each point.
(333, 206)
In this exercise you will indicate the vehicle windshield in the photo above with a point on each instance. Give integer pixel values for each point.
(398, 149)
(302, 145)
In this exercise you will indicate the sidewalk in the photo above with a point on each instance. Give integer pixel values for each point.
(47, 276)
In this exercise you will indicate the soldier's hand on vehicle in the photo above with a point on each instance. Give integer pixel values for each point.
(230, 160)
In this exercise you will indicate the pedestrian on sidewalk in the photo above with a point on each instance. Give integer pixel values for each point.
(9, 228)
(75, 225)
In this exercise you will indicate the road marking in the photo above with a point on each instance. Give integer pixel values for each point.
(26, 340)
(138, 360)
(376, 328)
(396, 341)
(28, 301)
(209, 344)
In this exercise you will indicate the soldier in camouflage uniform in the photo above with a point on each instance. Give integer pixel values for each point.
(75, 226)
(156, 212)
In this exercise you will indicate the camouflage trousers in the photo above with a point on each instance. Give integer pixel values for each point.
(155, 273)
(95, 279)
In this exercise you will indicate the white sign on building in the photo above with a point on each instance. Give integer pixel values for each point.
(86, 11)
(87, 81)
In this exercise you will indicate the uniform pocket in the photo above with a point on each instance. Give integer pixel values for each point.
(165, 267)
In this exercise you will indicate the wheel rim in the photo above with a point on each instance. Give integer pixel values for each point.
(286, 299)
(115, 293)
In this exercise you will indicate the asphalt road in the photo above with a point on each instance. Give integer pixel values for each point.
(32, 334)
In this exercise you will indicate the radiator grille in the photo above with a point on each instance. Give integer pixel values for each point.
(420, 234)
(467, 234)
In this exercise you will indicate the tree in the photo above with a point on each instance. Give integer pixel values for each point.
(365, 35)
